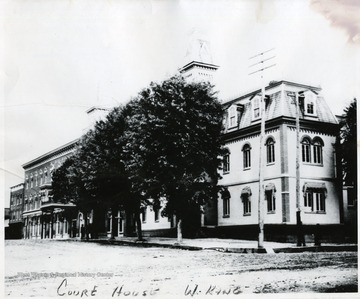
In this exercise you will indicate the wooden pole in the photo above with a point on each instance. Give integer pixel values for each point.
(300, 234)
(261, 168)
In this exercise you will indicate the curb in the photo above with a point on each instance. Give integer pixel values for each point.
(241, 250)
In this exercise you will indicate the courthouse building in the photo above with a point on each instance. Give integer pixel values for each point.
(235, 214)
(320, 183)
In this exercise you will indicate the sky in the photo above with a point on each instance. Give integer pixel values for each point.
(59, 58)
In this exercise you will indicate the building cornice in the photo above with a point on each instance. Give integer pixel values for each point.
(325, 128)
(67, 147)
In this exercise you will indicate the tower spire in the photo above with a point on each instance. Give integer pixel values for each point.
(198, 61)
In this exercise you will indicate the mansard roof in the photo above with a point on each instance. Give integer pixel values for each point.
(282, 106)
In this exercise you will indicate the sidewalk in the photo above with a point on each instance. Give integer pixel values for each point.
(225, 245)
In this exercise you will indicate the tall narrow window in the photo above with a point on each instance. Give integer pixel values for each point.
(270, 197)
(143, 214)
(317, 149)
(270, 150)
(156, 214)
(306, 153)
(246, 156)
(256, 108)
(226, 163)
(226, 207)
(232, 116)
(246, 200)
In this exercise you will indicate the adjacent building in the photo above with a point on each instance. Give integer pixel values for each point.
(43, 217)
(16, 211)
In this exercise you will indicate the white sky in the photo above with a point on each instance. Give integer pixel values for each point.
(62, 57)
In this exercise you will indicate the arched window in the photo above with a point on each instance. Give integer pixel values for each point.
(317, 151)
(246, 156)
(306, 152)
(270, 150)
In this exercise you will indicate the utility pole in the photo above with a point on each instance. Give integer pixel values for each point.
(261, 199)
(299, 228)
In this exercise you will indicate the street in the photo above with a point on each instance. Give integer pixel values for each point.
(79, 269)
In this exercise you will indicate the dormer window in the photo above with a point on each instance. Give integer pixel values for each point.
(255, 103)
(310, 104)
(232, 116)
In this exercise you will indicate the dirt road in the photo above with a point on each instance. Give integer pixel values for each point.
(71, 269)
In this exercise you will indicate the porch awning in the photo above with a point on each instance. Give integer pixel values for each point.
(314, 186)
(270, 187)
(245, 192)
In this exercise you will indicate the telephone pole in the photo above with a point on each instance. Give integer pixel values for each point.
(300, 233)
(261, 200)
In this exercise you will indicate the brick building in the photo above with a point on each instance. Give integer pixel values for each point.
(42, 217)
(16, 210)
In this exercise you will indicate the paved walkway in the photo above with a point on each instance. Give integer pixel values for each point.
(225, 245)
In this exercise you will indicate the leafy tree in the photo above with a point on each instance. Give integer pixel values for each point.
(348, 135)
(64, 189)
(96, 172)
(173, 145)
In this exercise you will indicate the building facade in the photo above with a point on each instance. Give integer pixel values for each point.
(16, 210)
(320, 186)
(43, 217)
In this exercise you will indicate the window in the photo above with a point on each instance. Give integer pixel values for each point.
(270, 150)
(246, 156)
(315, 201)
(156, 214)
(245, 197)
(226, 163)
(314, 197)
(306, 153)
(232, 116)
(247, 205)
(351, 197)
(317, 150)
(310, 103)
(310, 108)
(256, 108)
(226, 207)
(270, 197)
(143, 214)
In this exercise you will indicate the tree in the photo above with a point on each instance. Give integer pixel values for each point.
(96, 172)
(348, 135)
(63, 189)
(173, 145)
